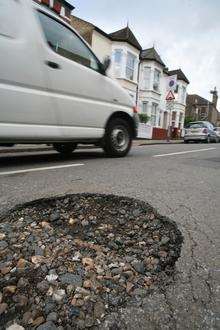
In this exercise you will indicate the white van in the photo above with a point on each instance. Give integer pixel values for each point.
(53, 89)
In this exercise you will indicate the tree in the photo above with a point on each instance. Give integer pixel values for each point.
(187, 120)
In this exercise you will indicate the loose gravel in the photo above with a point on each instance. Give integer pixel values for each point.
(68, 262)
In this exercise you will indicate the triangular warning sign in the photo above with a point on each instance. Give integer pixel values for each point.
(170, 96)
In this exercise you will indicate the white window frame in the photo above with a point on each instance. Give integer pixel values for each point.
(153, 118)
(128, 67)
(157, 78)
(145, 106)
(183, 94)
(117, 64)
(146, 77)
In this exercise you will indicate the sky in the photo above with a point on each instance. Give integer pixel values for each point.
(186, 33)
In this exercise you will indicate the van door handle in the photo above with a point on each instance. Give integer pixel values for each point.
(53, 65)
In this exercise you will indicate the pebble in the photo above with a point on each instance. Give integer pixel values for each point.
(3, 308)
(139, 267)
(52, 317)
(3, 245)
(43, 286)
(2, 236)
(49, 325)
(69, 278)
(15, 326)
(58, 295)
(99, 310)
(55, 216)
(51, 277)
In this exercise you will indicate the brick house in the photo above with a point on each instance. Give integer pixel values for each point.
(61, 7)
(199, 108)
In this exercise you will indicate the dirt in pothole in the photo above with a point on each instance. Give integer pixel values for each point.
(68, 262)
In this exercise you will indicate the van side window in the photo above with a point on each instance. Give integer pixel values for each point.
(66, 43)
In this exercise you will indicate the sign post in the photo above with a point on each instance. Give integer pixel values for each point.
(170, 106)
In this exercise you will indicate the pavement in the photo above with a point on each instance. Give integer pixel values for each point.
(180, 181)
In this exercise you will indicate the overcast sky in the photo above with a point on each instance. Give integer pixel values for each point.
(186, 33)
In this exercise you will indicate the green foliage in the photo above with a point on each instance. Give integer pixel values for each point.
(188, 120)
(143, 117)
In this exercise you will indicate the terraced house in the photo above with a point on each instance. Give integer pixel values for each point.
(142, 73)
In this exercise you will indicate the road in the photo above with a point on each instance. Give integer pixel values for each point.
(180, 181)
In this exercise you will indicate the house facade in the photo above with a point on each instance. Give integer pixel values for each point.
(199, 108)
(61, 7)
(142, 73)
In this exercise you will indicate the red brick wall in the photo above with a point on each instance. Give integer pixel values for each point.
(159, 133)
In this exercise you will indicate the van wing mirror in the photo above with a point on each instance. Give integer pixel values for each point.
(106, 63)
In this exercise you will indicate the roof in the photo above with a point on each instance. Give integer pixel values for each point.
(64, 2)
(68, 5)
(151, 54)
(194, 99)
(180, 75)
(125, 35)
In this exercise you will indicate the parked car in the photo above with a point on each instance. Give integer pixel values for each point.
(217, 132)
(53, 88)
(200, 131)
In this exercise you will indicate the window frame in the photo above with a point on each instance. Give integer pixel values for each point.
(154, 114)
(148, 80)
(128, 67)
(99, 64)
(159, 80)
(145, 103)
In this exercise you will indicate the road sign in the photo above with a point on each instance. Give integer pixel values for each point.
(171, 83)
(170, 96)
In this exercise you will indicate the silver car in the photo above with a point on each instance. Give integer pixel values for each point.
(202, 131)
(217, 132)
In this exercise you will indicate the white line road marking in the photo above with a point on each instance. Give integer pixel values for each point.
(40, 169)
(184, 152)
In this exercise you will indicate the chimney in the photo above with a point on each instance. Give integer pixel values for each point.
(214, 97)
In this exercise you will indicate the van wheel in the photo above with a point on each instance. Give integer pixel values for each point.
(118, 138)
(65, 148)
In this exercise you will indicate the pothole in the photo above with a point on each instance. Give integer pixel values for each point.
(71, 261)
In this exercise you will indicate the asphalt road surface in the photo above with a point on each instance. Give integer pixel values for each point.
(180, 181)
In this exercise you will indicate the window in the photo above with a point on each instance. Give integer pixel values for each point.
(130, 66)
(183, 95)
(176, 89)
(146, 77)
(156, 85)
(154, 114)
(66, 43)
(117, 62)
(118, 56)
(144, 107)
